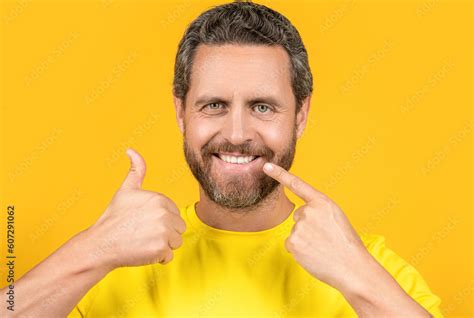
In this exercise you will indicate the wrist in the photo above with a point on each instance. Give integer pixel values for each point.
(367, 277)
(94, 252)
(373, 292)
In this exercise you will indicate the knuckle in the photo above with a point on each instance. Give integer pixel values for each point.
(182, 225)
(295, 183)
(299, 215)
(157, 199)
(176, 222)
(153, 251)
(290, 243)
(161, 231)
(296, 227)
(280, 173)
(164, 215)
(326, 201)
(167, 258)
(172, 204)
(160, 248)
(157, 215)
(177, 242)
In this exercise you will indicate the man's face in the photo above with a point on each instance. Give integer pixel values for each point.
(239, 113)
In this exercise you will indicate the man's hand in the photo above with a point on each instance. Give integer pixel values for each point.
(326, 245)
(322, 240)
(139, 227)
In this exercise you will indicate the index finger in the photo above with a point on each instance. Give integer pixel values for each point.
(292, 182)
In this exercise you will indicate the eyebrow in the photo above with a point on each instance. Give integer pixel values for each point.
(205, 99)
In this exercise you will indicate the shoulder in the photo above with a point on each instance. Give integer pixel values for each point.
(407, 276)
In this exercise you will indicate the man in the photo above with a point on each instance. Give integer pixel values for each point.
(242, 92)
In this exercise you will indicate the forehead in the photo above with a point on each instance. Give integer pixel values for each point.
(245, 69)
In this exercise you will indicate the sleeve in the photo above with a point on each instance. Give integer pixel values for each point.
(75, 313)
(405, 274)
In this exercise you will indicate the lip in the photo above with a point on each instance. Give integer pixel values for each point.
(236, 167)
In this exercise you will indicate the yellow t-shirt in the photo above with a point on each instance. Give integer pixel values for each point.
(247, 274)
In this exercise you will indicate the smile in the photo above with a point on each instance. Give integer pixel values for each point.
(236, 160)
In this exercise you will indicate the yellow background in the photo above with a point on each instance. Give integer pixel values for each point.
(389, 137)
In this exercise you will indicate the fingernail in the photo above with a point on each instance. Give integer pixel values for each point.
(268, 166)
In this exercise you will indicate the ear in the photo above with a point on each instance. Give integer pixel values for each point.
(179, 108)
(302, 116)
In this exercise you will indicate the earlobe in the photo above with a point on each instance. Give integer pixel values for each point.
(179, 109)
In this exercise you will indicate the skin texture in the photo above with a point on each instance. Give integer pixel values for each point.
(239, 81)
(322, 240)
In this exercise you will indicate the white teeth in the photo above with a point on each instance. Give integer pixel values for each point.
(237, 160)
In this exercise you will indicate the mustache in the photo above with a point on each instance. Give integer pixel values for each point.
(245, 149)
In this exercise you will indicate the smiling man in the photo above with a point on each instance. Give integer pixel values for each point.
(239, 113)
(242, 93)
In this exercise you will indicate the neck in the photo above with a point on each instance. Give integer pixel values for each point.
(270, 212)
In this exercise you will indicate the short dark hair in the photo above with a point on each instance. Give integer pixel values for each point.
(243, 23)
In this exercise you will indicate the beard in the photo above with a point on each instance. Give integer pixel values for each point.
(240, 191)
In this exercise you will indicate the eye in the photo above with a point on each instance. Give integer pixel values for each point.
(213, 105)
(263, 109)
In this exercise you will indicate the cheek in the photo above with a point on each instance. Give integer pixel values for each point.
(276, 136)
(199, 131)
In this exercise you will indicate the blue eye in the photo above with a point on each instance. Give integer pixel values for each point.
(262, 108)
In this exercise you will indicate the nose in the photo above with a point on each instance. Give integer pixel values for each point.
(238, 126)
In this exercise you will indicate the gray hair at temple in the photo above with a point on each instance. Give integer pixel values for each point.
(243, 22)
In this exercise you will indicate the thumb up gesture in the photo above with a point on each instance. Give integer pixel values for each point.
(138, 227)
